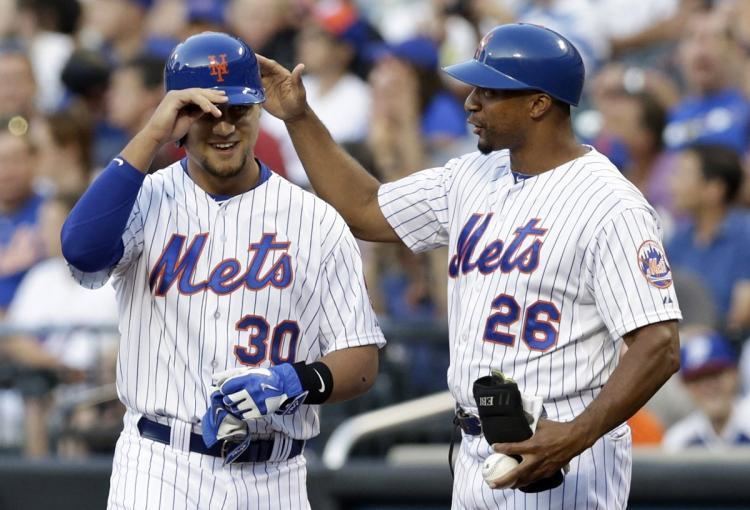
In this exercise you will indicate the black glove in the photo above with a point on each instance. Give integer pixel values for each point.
(503, 420)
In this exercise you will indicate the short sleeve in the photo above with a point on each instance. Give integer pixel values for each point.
(629, 274)
(348, 319)
(132, 239)
(416, 207)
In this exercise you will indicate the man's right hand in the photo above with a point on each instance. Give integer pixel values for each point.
(178, 110)
(285, 93)
(170, 122)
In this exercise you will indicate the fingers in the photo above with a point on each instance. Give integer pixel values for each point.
(297, 74)
(511, 448)
(508, 480)
(268, 66)
(218, 378)
(205, 99)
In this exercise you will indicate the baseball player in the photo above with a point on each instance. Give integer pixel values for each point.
(555, 259)
(227, 276)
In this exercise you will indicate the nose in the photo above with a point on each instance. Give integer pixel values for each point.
(223, 127)
(471, 104)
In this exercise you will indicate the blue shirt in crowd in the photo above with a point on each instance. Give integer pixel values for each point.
(719, 264)
(722, 118)
(21, 246)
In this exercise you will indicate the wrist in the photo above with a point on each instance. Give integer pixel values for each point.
(316, 379)
(302, 116)
(584, 431)
(140, 151)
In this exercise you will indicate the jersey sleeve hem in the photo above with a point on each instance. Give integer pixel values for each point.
(403, 229)
(646, 319)
(357, 341)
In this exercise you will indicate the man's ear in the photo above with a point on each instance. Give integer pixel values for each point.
(539, 104)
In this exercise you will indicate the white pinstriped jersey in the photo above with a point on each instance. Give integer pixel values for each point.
(268, 276)
(546, 274)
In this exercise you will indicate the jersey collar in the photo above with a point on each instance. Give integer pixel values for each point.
(265, 174)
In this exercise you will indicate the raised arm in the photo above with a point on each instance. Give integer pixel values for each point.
(92, 233)
(335, 175)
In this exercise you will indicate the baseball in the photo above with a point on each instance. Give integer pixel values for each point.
(497, 465)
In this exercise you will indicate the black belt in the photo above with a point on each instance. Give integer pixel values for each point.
(258, 451)
(468, 423)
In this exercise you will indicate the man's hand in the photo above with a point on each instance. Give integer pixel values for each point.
(219, 425)
(550, 449)
(178, 110)
(285, 94)
(251, 393)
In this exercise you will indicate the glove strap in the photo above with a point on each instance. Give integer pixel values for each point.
(316, 379)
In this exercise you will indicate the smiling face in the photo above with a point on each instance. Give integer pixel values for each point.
(223, 147)
(500, 117)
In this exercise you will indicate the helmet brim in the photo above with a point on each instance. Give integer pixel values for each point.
(243, 95)
(481, 75)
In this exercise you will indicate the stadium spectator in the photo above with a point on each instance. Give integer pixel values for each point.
(715, 109)
(714, 241)
(17, 83)
(116, 28)
(49, 299)
(21, 242)
(709, 371)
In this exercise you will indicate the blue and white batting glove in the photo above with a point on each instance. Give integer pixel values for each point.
(252, 393)
(219, 424)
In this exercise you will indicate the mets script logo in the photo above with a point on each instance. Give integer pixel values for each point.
(269, 265)
(521, 252)
(218, 67)
(653, 264)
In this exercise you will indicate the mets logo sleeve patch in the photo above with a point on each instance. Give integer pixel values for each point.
(653, 264)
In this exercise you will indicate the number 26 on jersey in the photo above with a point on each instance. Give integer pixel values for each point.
(539, 320)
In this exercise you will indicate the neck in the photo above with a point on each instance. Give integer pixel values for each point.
(327, 80)
(557, 149)
(639, 169)
(707, 223)
(245, 180)
(11, 206)
(129, 45)
(719, 422)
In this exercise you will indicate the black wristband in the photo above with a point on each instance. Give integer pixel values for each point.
(316, 379)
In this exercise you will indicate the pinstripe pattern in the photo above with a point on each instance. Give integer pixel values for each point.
(598, 479)
(586, 268)
(172, 343)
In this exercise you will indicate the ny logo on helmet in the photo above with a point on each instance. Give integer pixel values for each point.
(218, 67)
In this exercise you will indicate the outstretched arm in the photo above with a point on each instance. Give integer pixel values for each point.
(335, 175)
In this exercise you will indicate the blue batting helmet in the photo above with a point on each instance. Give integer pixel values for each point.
(521, 56)
(218, 61)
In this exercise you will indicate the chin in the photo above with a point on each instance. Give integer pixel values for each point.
(225, 169)
(485, 148)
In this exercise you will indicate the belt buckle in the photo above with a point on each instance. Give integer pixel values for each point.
(231, 450)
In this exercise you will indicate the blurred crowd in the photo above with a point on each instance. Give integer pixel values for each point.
(667, 99)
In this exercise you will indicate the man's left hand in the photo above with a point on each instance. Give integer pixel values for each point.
(252, 393)
(544, 454)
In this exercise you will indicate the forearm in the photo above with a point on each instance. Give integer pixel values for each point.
(354, 371)
(92, 233)
(645, 367)
(338, 178)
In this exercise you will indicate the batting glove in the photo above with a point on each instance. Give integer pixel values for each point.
(252, 393)
(219, 425)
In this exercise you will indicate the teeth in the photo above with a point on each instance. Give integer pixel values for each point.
(223, 145)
